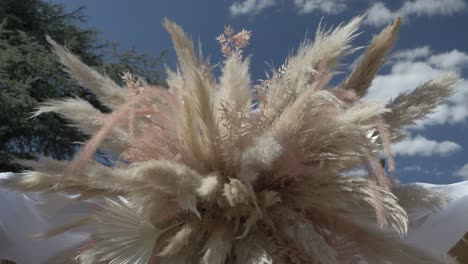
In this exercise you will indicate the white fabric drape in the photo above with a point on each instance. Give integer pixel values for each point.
(22, 215)
(439, 232)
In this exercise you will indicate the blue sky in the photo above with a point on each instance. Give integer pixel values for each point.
(432, 40)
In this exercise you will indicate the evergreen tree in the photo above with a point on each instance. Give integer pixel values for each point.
(31, 74)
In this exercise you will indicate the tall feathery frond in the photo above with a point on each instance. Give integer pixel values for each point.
(220, 171)
(327, 48)
(234, 86)
(183, 46)
(107, 91)
(373, 59)
(80, 112)
(415, 105)
(198, 100)
(234, 89)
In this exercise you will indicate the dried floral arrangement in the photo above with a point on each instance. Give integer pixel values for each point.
(217, 171)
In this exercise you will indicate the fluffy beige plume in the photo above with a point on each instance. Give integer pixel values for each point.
(175, 81)
(183, 46)
(107, 91)
(307, 107)
(180, 240)
(209, 186)
(78, 111)
(236, 192)
(375, 246)
(411, 106)
(50, 175)
(234, 86)
(218, 245)
(175, 179)
(37, 181)
(414, 197)
(87, 119)
(301, 71)
(363, 114)
(331, 192)
(234, 89)
(125, 114)
(204, 176)
(372, 60)
(198, 100)
(327, 48)
(259, 157)
(361, 79)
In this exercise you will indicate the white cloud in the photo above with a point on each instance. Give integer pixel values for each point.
(453, 60)
(250, 7)
(412, 54)
(413, 168)
(253, 7)
(379, 14)
(324, 6)
(420, 170)
(420, 146)
(462, 172)
(412, 68)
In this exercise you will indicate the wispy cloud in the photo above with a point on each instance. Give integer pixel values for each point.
(462, 172)
(453, 60)
(379, 14)
(250, 7)
(421, 146)
(253, 7)
(322, 6)
(420, 170)
(412, 54)
(415, 168)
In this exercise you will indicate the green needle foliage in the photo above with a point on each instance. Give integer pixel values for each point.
(30, 74)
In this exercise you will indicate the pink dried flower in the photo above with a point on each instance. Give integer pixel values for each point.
(242, 38)
(233, 44)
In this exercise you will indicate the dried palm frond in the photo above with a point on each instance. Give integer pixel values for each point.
(206, 177)
(123, 235)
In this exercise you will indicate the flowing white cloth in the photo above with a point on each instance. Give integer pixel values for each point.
(22, 215)
(439, 232)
